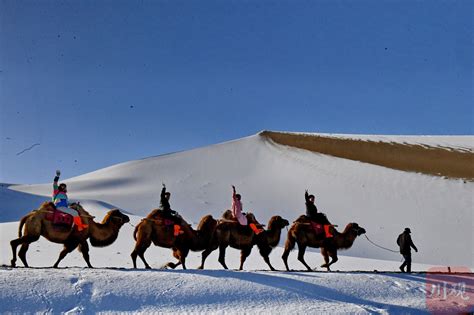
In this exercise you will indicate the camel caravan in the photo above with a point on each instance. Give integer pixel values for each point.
(70, 224)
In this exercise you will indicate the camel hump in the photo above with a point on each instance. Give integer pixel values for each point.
(302, 219)
(154, 214)
(251, 218)
(47, 206)
(228, 215)
(205, 220)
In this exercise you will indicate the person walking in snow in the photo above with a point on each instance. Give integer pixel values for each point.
(167, 212)
(405, 242)
(61, 202)
(237, 212)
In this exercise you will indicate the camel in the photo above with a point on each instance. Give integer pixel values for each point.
(151, 229)
(231, 233)
(34, 225)
(302, 233)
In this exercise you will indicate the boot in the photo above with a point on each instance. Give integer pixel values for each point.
(177, 230)
(255, 229)
(79, 224)
(327, 231)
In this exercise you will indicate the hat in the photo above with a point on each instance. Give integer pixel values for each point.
(407, 230)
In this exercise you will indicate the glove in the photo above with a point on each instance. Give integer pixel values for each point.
(58, 173)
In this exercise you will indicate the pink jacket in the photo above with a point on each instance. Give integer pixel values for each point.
(237, 210)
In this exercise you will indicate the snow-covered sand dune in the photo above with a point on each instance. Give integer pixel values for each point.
(271, 178)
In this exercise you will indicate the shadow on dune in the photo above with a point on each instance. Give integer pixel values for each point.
(424, 159)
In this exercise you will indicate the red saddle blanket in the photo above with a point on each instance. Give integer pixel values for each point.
(59, 218)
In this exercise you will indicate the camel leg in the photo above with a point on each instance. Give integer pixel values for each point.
(265, 253)
(177, 255)
(14, 244)
(139, 251)
(25, 241)
(325, 254)
(267, 260)
(244, 253)
(222, 255)
(68, 247)
(182, 260)
(204, 255)
(334, 259)
(22, 253)
(285, 255)
(173, 265)
(84, 249)
(289, 245)
(301, 251)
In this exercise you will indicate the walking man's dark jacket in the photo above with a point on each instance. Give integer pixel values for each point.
(405, 243)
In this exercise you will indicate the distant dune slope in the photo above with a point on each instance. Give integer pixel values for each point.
(440, 161)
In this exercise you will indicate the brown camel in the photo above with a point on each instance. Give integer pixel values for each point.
(231, 233)
(152, 229)
(36, 225)
(302, 233)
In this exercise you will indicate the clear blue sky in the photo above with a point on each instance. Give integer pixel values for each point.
(95, 83)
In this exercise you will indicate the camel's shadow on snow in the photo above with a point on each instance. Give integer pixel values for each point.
(278, 280)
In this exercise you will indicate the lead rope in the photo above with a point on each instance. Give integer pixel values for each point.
(390, 250)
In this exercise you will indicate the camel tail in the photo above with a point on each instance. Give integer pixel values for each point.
(135, 232)
(290, 242)
(20, 228)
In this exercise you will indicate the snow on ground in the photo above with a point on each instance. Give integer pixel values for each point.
(272, 179)
(86, 291)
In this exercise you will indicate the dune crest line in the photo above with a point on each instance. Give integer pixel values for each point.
(405, 157)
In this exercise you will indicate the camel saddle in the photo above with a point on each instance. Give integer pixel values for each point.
(318, 228)
(160, 218)
(317, 223)
(59, 218)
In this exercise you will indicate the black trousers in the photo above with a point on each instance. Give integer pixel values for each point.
(407, 262)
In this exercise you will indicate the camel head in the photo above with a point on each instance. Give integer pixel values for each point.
(116, 216)
(277, 222)
(355, 228)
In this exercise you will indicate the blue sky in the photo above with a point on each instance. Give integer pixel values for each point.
(95, 83)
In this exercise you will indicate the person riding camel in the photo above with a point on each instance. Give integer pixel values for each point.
(312, 213)
(60, 200)
(237, 212)
(167, 212)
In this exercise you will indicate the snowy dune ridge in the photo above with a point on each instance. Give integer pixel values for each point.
(272, 178)
(427, 155)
